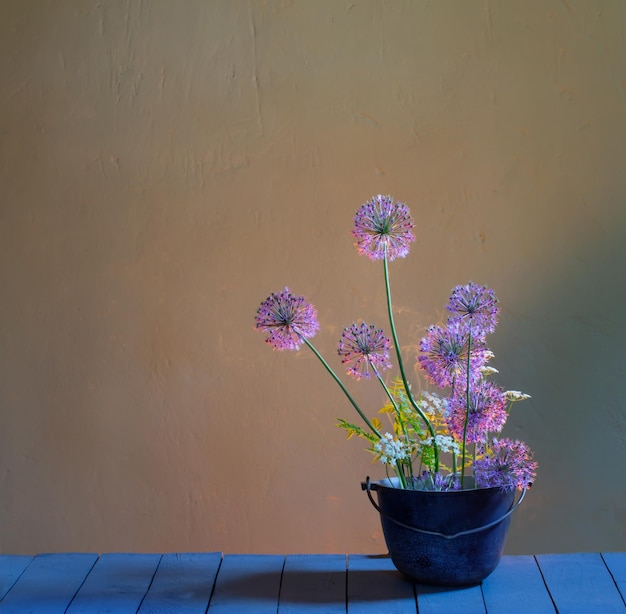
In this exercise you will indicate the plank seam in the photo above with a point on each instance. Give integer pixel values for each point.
(280, 584)
(482, 594)
(8, 590)
(217, 573)
(545, 584)
(613, 578)
(151, 583)
(346, 586)
(69, 605)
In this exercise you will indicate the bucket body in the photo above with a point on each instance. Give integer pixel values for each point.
(444, 561)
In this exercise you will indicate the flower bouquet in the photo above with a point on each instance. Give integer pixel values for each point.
(445, 514)
(435, 441)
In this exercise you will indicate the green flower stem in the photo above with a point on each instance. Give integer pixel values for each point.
(397, 409)
(342, 386)
(405, 381)
(400, 474)
(393, 401)
(467, 404)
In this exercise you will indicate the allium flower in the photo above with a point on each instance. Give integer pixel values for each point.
(474, 304)
(382, 226)
(363, 346)
(390, 449)
(287, 319)
(487, 412)
(444, 355)
(508, 464)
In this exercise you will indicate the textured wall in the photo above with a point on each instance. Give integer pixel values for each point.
(165, 165)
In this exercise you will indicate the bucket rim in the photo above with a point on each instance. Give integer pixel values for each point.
(393, 483)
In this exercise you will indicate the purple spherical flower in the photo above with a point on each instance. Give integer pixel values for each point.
(444, 355)
(383, 227)
(507, 464)
(475, 305)
(287, 319)
(363, 346)
(487, 411)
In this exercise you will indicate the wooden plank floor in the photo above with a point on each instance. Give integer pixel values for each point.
(586, 583)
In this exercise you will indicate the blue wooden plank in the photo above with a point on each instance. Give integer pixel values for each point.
(247, 584)
(48, 584)
(375, 585)
(516, 587)
(580, 583)
(313, 582)
(451, 600)
(117, 583)
(182, 584)
(616, 562)
(11, 568)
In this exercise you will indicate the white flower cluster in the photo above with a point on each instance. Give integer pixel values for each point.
(390, 449)
(444, 442)
(432, 403)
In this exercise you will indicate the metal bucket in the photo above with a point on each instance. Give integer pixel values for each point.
(453, 538)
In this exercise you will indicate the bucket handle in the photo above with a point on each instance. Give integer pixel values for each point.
(368, 486)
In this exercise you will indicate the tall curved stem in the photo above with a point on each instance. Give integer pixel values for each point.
(405, 380)
(342, 386)
(400, 419)
(467, 404)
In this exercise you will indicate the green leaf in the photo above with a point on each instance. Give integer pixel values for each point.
(428, 456)
(353, 429)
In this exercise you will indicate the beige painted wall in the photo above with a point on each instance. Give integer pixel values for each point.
(165, 165)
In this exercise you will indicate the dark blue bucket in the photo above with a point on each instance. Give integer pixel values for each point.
(453, 538)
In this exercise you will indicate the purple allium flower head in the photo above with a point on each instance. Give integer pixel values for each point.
(444, 354)
(474, 304)
(507, 464)
(287, 319)
(487, 411)
(382, 226)
(363, 346)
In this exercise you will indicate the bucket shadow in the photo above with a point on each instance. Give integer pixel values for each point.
(372, 579)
